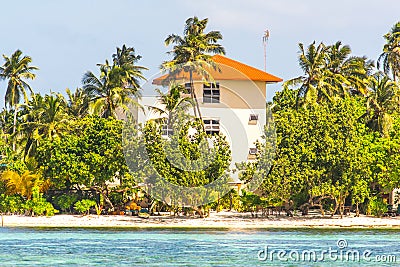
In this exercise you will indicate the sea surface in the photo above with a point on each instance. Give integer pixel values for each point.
(202, 247)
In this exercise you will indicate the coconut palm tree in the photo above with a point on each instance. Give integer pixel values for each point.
(77, 103)
(192, 52)
(107, 93)
(329, 73)
(118, 85)
(382, 101)
(344, 73)
(389, 60)
(16, 70)
(126, 60)
(172, 103)
(44, 118)
(312, 63)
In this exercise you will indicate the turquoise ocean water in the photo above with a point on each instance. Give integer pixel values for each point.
(203, 247)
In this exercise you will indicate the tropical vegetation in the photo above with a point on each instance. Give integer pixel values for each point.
(337, 136)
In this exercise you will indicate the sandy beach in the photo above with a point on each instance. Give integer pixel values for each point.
(216, 220)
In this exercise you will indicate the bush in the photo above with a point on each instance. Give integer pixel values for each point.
(377, 207)
(11, 204)
(84, 205)
(65, 202)
(38, 205)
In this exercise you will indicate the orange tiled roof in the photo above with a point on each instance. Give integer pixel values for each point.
(229, 70)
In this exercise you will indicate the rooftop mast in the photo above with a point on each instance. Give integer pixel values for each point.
(265, 41)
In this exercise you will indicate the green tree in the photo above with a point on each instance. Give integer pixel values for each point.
(383, 100)
(390, 57)
(320, 154)
(185, 160)
(16, 70)
(192, 52)
(118, 84)
(88, 155)
(84, 205)
(172, 103)
(77, 103)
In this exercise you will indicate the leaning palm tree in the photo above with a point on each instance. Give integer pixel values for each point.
(192, 52)
(382, 101)
(16, 70)
(390, 57)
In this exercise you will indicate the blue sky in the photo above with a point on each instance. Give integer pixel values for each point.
(67, 38)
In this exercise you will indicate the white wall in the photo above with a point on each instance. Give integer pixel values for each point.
(234, 124)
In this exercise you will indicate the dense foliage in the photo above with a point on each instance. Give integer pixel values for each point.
(337, 135)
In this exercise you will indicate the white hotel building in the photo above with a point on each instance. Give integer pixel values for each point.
(233, 104)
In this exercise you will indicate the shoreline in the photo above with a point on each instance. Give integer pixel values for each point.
(222, 220)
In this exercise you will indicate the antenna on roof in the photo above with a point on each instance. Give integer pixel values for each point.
(265, 41)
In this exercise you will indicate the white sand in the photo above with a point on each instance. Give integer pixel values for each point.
(216, 220)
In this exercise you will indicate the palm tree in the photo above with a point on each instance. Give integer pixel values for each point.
(172, 102)
(312, 63)
(118, 85)
(382, 101)
(21, 184)
(126, 60)
(390, 58)
(44, 118)
(16, 70)
(78, 103)
(329, 73)
(344, 73)
(192, 52)
(106, 93)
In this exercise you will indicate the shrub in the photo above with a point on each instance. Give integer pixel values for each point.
(38, 205)
(65, 202)
(377, 206)
(11, 204)
(84, 205)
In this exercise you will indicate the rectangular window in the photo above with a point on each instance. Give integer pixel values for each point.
(211, 126)
(211, 93)
(253, 119)
(166, 131)
(252, 153)
(188, 88)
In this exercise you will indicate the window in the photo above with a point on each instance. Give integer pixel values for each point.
(252, 153)
(211, 126)
(211, 93)
(253, 119)
(188, 88)
(166, 130)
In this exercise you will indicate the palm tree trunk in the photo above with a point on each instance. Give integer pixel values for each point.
(14, 125)
(193, 94)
